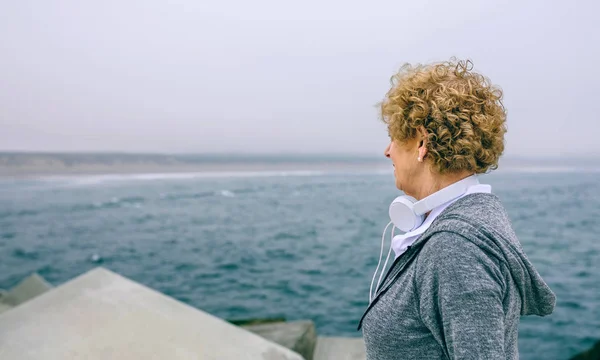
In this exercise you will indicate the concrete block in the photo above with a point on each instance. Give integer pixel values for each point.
(591, 354)
(337, 348)
(27, 289)
(4, 307)
(102, 315)
(299, 336)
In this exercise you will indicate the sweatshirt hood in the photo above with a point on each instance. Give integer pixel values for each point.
(481, 219)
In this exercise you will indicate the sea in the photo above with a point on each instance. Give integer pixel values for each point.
(292, 244)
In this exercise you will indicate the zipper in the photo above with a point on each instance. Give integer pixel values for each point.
(387, 274)
(386, 286)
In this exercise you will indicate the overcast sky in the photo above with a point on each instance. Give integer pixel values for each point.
(276, 76)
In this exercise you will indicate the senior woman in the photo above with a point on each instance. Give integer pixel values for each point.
(460, 280)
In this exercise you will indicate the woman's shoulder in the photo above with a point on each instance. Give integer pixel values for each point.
(444, 246)
(477, 217)
(475, 206)
(447, 255)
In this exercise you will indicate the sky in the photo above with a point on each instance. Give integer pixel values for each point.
(271, 76)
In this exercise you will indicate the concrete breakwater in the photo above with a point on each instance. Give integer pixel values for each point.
(101, 314)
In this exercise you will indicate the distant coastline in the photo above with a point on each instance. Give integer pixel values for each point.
(15, 164)
(38, 164)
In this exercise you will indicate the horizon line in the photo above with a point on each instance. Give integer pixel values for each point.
(344, 155)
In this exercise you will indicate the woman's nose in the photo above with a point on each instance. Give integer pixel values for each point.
(387, 151)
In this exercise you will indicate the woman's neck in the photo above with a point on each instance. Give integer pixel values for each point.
(435, 182)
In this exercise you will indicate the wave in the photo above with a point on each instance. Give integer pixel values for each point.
(90, 180)
(204, 194)
(20, 213)
(83, 180)
(183, 196)
(227, 193)
(115, 202)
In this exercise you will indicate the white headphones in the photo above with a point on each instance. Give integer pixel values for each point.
(407, 213)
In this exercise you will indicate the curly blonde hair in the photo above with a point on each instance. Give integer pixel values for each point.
(460, 109)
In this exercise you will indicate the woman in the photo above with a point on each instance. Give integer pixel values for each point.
(460, 280)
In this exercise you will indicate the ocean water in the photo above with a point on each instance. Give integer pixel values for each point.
(299, 245)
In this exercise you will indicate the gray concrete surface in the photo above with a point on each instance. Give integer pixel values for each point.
(102, 315)
(299, 336)
(337, 348)
(4, 307)
(27, 289)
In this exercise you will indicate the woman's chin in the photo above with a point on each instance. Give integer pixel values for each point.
(398, 185)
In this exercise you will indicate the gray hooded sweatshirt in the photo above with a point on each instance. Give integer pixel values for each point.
(458, 292)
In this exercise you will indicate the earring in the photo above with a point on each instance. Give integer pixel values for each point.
(419, 159)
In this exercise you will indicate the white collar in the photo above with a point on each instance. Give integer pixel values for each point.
(400, 243)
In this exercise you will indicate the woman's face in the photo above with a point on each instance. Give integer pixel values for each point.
(404, 157)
